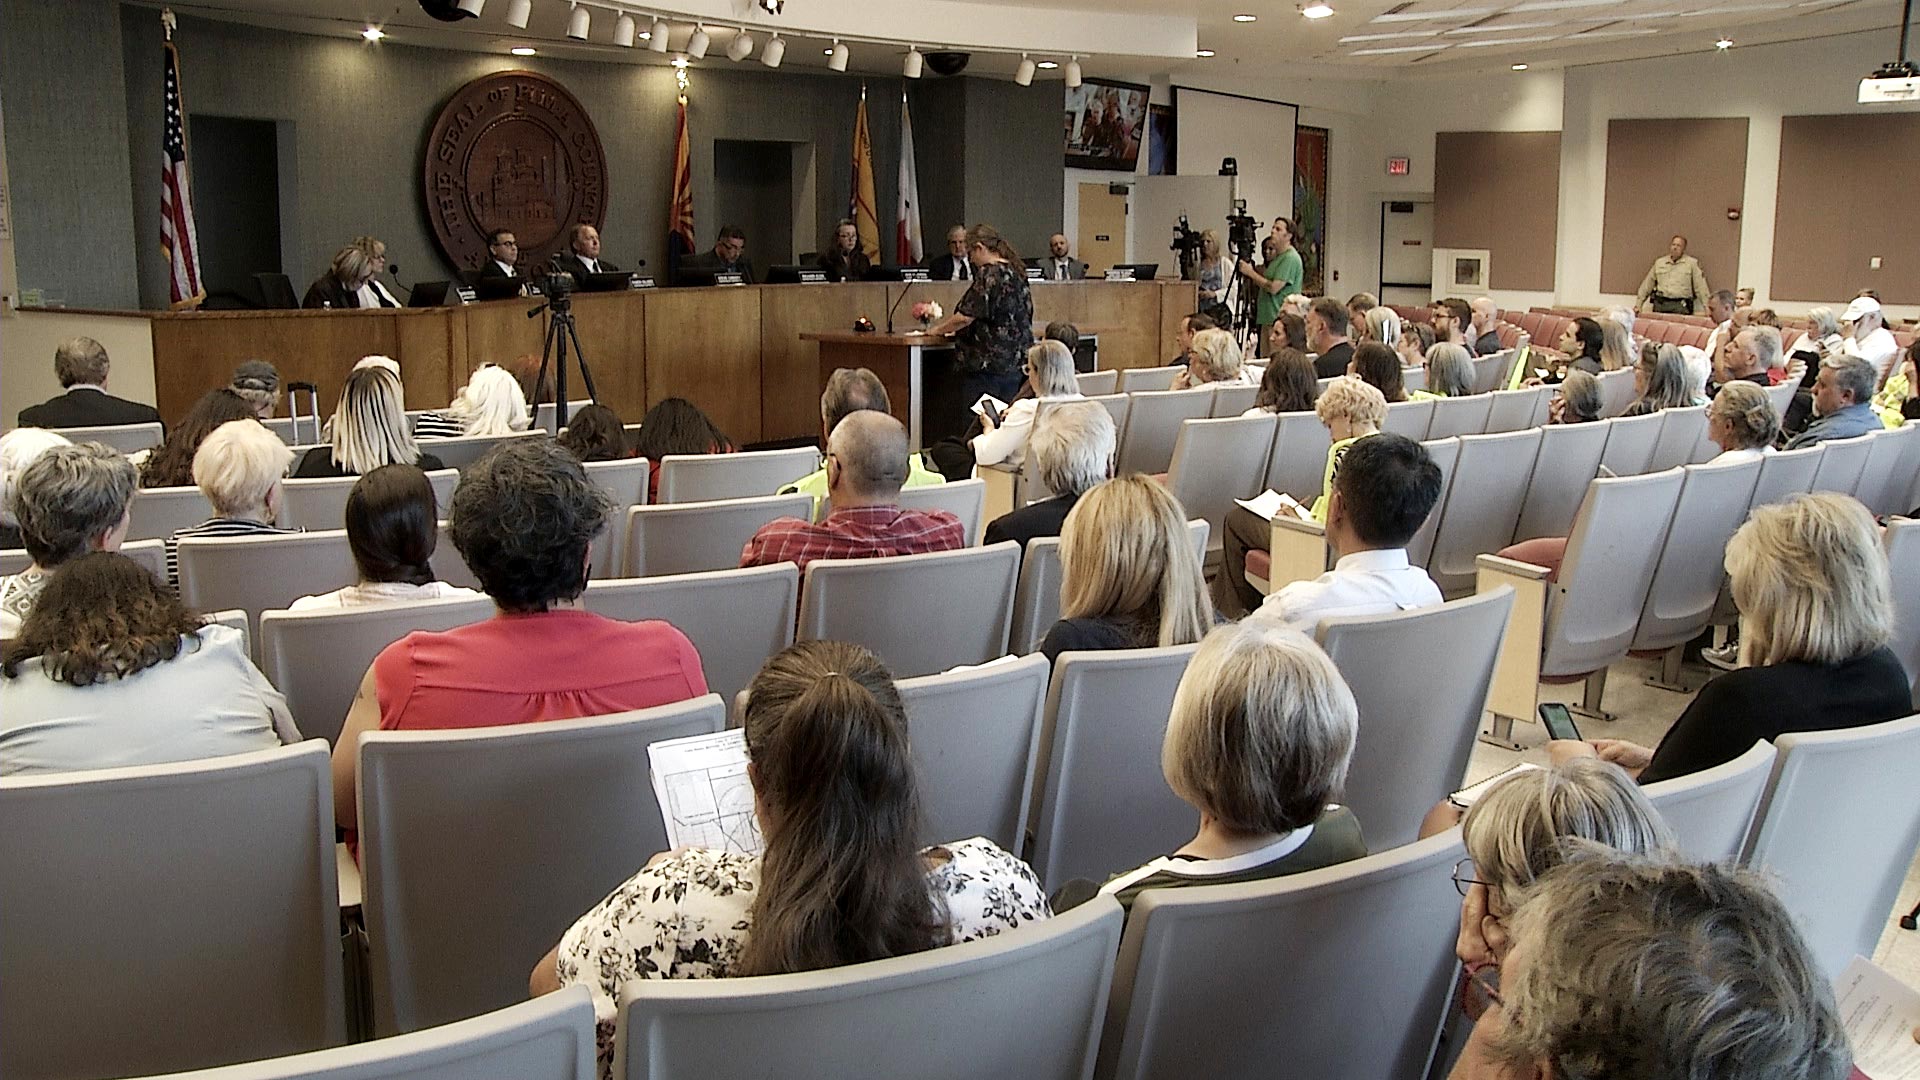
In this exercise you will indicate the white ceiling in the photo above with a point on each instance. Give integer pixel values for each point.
(1363, 39)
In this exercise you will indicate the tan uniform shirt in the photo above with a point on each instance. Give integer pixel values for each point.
(1677, 278)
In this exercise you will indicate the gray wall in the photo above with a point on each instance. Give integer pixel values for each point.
(67, 150)
(354, 119)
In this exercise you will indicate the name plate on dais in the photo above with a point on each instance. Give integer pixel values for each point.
(1120, 273)
(915, 273)
(640, 281)
(729, 279)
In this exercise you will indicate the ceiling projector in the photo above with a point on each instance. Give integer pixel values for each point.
(1895, 82)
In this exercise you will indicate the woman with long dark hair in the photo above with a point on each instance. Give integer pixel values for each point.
(1289, 384)
(842, 878)
(676, 426)
(392, 528)
(171, 463)
(595, 433)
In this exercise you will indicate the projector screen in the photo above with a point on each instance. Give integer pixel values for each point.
(1257, 134)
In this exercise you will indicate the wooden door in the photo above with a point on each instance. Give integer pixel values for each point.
(1103, 228)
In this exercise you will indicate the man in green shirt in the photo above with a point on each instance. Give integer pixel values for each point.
(1281, 276)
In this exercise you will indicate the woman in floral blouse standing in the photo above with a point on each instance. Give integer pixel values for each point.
(842, 879)
(992, 325)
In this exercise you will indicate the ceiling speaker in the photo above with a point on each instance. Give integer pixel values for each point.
(948, 63)
(445, 10)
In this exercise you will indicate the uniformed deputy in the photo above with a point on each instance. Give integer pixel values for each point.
(1675, 284)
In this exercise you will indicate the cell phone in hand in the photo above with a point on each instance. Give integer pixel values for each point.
(991, 412)
(1558, 720)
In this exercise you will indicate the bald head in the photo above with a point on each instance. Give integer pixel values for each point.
(870, 452)
(1485, 314)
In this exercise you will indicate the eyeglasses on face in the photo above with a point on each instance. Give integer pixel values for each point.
(1465, 876)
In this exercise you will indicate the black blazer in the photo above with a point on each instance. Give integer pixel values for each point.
(941, 268)
(852, 267)
(1044, 518)
(87, 408)
(1333, 363)
(567, 262)
(491, 269)
(326, 291)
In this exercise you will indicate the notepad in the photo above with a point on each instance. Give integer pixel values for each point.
(1879, 1013)
(1470, 794)
(1271, 502)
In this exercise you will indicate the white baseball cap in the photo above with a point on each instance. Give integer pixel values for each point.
(1860, 306)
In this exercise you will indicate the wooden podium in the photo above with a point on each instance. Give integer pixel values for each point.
(902, 362)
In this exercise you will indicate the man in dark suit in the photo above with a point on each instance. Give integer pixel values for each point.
(584, 256)
(727, 257)
(1072, 446)
(503, 252)
(953, 266)
(1059, 265)
(82, 366)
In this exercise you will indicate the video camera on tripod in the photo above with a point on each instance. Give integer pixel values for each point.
(1186, 243)
(1243, 243)
(558, 287)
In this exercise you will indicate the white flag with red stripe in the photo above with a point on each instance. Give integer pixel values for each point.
(908, 245)
(178, 239)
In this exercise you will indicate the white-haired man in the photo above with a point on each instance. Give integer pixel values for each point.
(1867, 336)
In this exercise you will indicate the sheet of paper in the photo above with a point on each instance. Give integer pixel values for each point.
(1266, 504)
(1470, 794)
(705, 799)
(1880, 1013)
(999, 407)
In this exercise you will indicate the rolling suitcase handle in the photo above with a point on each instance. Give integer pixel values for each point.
(313, 410)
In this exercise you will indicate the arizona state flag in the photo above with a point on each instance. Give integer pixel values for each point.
(680, 211)
(861, 206)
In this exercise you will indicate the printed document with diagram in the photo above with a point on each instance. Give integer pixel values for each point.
(705, 798)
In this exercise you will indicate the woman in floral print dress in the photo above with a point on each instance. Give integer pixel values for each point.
(841, 880)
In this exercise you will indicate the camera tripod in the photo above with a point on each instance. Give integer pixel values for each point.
(560, 331)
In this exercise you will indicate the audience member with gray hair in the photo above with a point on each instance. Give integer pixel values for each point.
(1842, 402)
(238, 468)
(1815, 595)
(1577, 400)
(1258, 742)
(1741, 421)
(259, 383)
(82, 367)
(1661, 381)
(523, 518)
(1449, 372)
(1747, 358)
(1650, 967)
(69, 501)
(1050, 369)
(1071, 448)
(866, 467)
(850, 390)
(19, 448)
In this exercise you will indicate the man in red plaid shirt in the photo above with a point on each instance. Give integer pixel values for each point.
(866, 465)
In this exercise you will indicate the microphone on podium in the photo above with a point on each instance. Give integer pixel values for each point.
(394, 269)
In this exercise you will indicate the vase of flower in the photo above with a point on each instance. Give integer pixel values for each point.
(926, 311)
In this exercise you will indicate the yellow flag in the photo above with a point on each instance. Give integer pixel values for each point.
(861, 205)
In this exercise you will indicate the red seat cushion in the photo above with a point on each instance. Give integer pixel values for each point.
(1260, 564)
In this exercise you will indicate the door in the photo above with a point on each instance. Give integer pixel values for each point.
(1406, 246)
(1103, 227)
(236, 167)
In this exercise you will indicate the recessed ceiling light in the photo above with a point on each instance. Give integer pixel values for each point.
(1203, 53)
(522, 50)
(1243, 17)
(828, 52)
(1317, 10)
(373, 33)
(1519, 67)
(680, 61)
(1723, 44)
(1047, 65)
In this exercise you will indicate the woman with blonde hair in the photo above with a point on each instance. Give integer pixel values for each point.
(368, 430)
(1816, 615)
(1616, 344)
(1449, 372)
(1129, 575)
(1741, 421)
(1214, 358)
(491, 403)
(1351, 409)
(1660, 380)
(1216, 270)
(841, 879)
(348, 282)
(1258, 742)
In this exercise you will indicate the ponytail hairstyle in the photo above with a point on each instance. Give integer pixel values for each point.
(989, 237)
(842, 880)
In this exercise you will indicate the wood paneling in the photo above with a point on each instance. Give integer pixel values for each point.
(704, 345)
(789, 368)
(613, 332)
(1847, 195)
(1666, 177)
(735, 352)
(1500, 191)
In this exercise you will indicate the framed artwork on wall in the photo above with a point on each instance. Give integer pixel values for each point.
(1105, 123)
(1310, 156)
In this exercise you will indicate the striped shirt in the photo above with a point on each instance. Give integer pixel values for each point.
(859, 532)
(215, 527)
(435, 425)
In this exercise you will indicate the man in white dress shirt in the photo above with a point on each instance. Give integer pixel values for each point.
(1867, 336)
(1386, 486)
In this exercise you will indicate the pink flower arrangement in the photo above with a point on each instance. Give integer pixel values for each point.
(926, 311)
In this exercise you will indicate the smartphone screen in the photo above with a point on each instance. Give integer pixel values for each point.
(993, 414)
(1559, 721)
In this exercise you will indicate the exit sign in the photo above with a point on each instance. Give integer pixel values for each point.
(1399, 166)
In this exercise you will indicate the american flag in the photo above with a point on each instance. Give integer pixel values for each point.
(177, 236)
